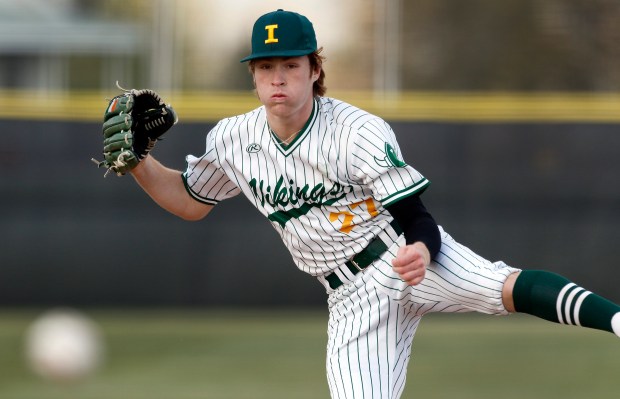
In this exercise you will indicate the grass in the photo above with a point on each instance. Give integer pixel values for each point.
(233, 354)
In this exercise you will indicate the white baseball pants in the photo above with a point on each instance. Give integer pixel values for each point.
(373, 320)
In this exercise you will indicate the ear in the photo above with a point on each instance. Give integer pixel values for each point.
(316, 73)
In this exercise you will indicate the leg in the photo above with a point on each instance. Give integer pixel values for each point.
(369, 343)
(554, 298)
(509, 285)
(459, 280)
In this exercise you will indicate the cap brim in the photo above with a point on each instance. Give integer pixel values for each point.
(284, 53)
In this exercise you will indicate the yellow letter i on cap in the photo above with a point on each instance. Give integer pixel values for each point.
(270, 34)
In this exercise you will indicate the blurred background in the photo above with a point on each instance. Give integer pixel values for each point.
(510, 108)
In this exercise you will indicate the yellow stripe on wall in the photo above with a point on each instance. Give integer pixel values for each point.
(482, 107)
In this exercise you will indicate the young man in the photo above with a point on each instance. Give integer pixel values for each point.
(331, 179)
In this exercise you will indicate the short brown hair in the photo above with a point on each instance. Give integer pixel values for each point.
(316, 61)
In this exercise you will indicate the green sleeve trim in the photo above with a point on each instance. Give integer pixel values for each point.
(195, 196)
(417, 188)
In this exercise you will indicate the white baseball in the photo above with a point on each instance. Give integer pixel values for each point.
(64, 345)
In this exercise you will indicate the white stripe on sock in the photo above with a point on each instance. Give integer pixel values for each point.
(559, 301)
(578, 306)
(567, 305)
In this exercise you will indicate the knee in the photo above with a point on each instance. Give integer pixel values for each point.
(507, 290)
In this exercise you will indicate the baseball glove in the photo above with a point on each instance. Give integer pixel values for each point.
(132, 123)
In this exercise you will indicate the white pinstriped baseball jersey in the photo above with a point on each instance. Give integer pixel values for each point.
(324, 192)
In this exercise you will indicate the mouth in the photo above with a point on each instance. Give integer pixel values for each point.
(278, 96)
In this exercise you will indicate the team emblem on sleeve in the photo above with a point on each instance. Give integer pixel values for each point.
(390, 159)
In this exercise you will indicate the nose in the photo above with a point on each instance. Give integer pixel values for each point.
(278, 77)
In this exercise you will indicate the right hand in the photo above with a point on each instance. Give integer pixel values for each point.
(411, 262)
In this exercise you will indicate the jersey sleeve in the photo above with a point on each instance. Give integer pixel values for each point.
(377, 163)
(204, 178)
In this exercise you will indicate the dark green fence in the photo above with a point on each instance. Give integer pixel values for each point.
(533, 195)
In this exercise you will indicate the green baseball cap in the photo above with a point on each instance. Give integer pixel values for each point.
(282, 34)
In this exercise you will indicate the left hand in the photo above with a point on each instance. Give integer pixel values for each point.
(411, 262)
(132, 123)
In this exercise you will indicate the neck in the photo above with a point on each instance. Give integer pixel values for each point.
(287, 127)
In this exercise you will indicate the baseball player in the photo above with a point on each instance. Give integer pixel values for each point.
(331, 179)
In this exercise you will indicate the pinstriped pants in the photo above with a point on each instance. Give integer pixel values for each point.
(373, 320)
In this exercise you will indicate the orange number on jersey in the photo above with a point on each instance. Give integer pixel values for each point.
(347, 224)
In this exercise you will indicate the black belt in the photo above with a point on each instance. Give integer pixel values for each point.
(365, 257)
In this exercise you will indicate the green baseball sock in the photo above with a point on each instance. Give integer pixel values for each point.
(554, 298)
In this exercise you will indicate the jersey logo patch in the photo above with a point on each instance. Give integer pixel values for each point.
(390, 159)
(253, 148)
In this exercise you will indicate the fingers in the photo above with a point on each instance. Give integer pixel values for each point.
(411, 262)
(121, 104)
(118, 141)
(414, 277)
(116, 124)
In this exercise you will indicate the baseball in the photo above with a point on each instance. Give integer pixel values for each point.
(64, 346)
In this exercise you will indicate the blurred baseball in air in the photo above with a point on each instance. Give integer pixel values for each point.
(64, 345)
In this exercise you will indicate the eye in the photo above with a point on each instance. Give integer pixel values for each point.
(264, 66)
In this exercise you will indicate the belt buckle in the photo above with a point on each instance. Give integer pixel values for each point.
(354, 263)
